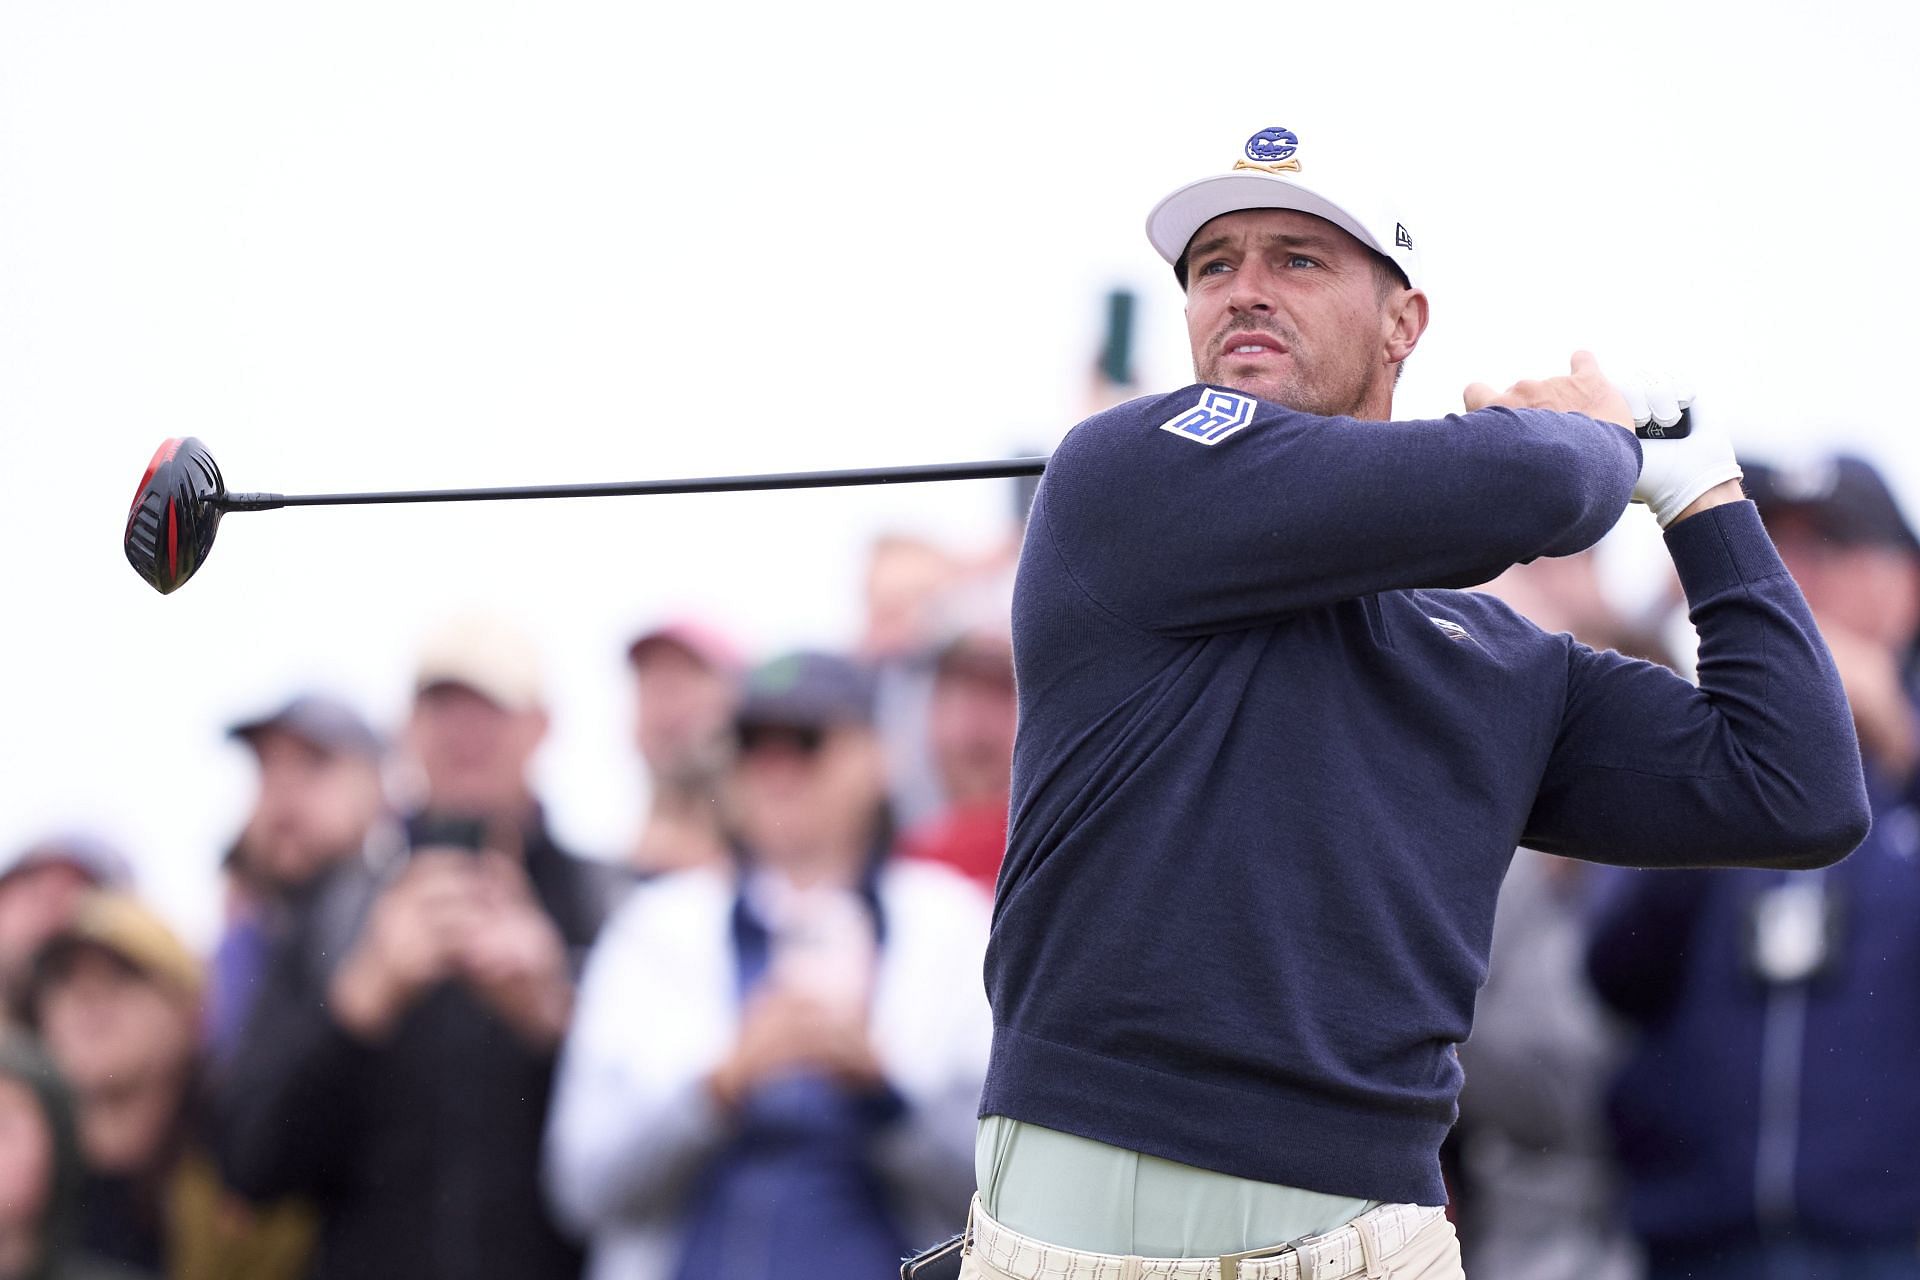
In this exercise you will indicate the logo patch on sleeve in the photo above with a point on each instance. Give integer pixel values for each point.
(1218, 415)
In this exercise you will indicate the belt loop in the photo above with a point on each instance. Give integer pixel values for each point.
(1132, 1268)
(1230, 1262)
(1370, 1248)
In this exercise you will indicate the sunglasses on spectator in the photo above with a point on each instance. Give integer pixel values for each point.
(805, 739)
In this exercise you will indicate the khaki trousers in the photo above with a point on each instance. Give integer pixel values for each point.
(1393, 1242)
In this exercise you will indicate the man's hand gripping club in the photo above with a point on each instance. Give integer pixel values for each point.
(1678, 477)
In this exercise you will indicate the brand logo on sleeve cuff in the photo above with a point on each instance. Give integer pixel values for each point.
(1218, 415)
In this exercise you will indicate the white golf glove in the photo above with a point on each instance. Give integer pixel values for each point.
(1673, 472)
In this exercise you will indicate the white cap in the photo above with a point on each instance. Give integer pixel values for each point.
(485, 654)
(1277, 171)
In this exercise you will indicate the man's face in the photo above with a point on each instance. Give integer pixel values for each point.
(474, 752)
(108, 1024)
(1291, 309)
(313, 809)
(1872, 591)
(801, 790)
(971, 720)
(36, 903)
(904, 575)
(684, 708)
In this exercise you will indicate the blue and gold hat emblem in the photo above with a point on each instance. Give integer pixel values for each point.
(1271, 151)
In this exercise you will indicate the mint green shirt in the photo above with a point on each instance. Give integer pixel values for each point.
(1081, 1194)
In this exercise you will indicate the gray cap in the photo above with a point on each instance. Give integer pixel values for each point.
(808, 689)
(93, 857)
(323, 722)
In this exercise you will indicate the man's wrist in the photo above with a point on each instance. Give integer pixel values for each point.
(1722, 494)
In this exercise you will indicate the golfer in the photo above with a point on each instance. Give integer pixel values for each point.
(1272, 761)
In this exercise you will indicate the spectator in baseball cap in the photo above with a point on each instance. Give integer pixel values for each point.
(971, 718)
(1843, 499)
(906, 576)
(479, 715)
(686, 682)
(40, 889)
(319, 789)
(1842, 535)
(319, 803)
(398, 1066)
(1852, 551)
(776, 1061)
(116, 998)
(1799, 987)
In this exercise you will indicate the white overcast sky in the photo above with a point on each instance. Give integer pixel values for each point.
(425, 242)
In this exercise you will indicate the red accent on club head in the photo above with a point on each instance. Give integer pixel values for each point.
(173, 542)
(161, 456)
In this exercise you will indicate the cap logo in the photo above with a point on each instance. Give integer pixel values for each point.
(1401, 240)
(1271, 151)
(779, 676)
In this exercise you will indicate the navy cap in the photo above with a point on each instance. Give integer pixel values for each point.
(808, 689)
(320, 721)
(1843, 499)
(99, 861)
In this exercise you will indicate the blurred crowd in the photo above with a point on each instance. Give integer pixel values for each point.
(432, 1042)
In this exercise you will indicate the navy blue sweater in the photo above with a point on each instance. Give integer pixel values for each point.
(1270, 771)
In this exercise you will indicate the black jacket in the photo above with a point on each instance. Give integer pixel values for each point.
(423, 1153)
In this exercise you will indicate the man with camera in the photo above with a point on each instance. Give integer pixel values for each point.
(399, 1066)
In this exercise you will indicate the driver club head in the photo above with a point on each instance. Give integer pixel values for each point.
(171, 524)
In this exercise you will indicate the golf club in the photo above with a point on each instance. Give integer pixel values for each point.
(182, 496)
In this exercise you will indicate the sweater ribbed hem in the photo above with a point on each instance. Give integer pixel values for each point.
(1273, 1135)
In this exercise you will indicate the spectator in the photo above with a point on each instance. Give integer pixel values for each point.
(906, 576)
(319, 803)
(398, 1068)
(116, 997)
(1535, 1185)
(971, 717)
(1767, 1118)
(776, 1064)
(686, 681)
(39, 891)
(40, 1173)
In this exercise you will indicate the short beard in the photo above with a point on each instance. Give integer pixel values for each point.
(1291, 393)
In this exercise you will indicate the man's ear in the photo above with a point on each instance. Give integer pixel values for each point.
(1404, 321)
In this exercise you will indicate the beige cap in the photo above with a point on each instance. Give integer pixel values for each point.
(487, 655)
(122, 924)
